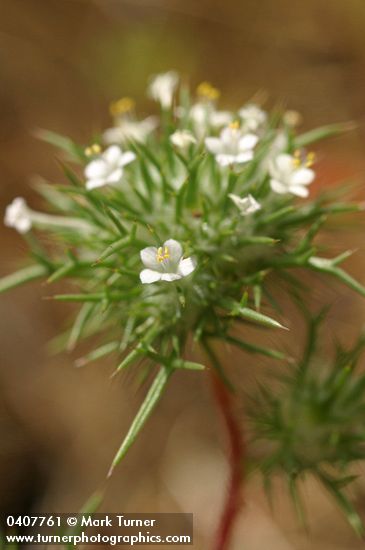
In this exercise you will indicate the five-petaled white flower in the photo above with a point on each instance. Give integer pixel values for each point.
(253, 118)
(165, 263)
(18, 215)
(233, 146)
(162, 88)
(290, 175)
(107, 169)
(182, 139)
(246, 205)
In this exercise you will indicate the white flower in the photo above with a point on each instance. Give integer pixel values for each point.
(107, 169)
(165, 263)
(162, 88)
(289, 175)
(129, 129)
(18, 215)
(22, 218)
(220, 118)
(278, 146)
(204, 116)
(204, 113)
(232, 146)
(246, 205)
(182, 139)
(253, 118)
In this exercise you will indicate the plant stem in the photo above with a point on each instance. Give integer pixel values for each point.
(236, 449)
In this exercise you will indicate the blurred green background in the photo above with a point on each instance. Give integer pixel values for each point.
(61, 63)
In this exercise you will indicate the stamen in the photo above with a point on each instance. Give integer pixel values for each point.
(121, 106)
(297, 160)
(207, 91)
(94, 149)
(311, 157)
(162, 253)
(234, 125)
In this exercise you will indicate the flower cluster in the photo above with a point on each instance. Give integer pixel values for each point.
(171, 228)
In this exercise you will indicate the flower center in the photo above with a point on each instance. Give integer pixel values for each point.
(234, 125)
(162, 253)
(94, 149)
(207, 91)
(307, 161)
(121, 106)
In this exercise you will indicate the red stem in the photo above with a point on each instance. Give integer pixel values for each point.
(233, 500)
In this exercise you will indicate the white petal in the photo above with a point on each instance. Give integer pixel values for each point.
(302, 176)
(170, 277)
(94, 183)
(299, 190)
(23, 225)
(247, 142)
(126, 158)
(186, 266)
(244, 157)
(254, 204)
(199, 114)
(220, 118)
(225, 160)
(112, 154)
(182, 138)
(235, 198)
(278, 187)
(113, 135)
(14, 210)
(285, 163)
(18, 215)
(115, 176)
(247, 205)
(229, 136)
(149, 276)
(96, 169)
(213, 144)
(253, 117)
(162, 88)
(148, 124)
(149, 258)
(174, 249)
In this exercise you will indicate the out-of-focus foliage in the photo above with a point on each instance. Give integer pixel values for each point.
(314, 422)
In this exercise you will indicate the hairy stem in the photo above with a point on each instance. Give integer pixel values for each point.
(236, 451)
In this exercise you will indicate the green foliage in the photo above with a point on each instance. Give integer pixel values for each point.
(313, 422)
(176, 189)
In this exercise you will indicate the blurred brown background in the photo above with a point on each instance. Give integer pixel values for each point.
(61, 62)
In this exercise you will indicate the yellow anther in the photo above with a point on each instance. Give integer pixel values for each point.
(207, 91)
(311, 157)
(94, 149)
(297, 161)
(163, 253)
(234, 125)
(121, 106)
